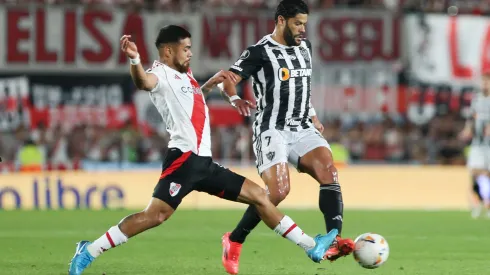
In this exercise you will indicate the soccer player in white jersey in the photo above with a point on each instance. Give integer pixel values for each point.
(286, 128)
(477, 128)
(188, 165)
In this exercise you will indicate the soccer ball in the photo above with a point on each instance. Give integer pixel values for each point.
(371, 250)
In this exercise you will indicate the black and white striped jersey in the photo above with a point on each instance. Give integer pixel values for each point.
(281, 83)
(480, 107)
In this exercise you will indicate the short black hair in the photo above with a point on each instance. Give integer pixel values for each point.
(171, 34)
(291, 8)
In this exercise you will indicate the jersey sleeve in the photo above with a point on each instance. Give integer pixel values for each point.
(155, 70)
(249, 62)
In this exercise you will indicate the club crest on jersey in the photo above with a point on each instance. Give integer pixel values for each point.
(174, 189)
(305, 54)
(285, 73)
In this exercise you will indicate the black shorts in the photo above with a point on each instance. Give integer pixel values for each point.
(183, 173)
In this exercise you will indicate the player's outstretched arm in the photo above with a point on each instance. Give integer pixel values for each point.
(228, 91)
(228, 87)
(142, 80)
(217, 79)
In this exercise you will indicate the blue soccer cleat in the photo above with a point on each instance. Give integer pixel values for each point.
(323, 243)
(81, 260)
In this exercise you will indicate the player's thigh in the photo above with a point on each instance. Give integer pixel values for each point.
(221, 182)
(270, 148)
(180, 173)
(311, 154)
(303, 149)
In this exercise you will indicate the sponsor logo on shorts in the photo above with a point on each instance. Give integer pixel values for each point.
(271, 155)
(174, 189)
(293, 122)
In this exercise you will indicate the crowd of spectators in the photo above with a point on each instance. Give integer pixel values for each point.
(381, 140)
(385, 140)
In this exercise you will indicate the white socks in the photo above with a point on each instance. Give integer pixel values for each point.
(289, 230)
(110, 239)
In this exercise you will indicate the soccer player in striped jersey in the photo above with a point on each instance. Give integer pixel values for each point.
(187, 165)
(286, 128)
(477, 128)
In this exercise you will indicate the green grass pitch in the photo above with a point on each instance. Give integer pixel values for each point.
(425, 243)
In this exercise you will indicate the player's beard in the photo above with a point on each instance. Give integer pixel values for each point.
(289, 37)
(181, 67)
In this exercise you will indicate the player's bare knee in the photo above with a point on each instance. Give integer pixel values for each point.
(278, 188)
(258, 196)
(157, 216)
(278, 196)
(163, 216)
(327, 174)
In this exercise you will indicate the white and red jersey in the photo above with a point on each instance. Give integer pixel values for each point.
(180, 101)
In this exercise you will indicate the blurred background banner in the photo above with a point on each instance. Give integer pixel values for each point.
(80, 40)
(440, 51)
(392, 82)
(390, 188)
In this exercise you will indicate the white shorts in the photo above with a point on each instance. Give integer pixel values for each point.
(479, 157)
(273, 146)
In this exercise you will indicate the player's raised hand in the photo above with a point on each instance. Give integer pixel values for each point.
(128, 47)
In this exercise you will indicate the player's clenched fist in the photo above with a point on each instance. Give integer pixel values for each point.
(128, 47)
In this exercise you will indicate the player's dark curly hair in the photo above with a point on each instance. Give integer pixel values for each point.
(171, 34)
(290, 8)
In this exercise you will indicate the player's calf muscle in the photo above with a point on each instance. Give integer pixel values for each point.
(154, 215)
(253, 194)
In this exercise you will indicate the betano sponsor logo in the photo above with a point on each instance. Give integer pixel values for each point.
(285, 73)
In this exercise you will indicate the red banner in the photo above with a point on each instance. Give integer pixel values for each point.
(55, 39)
(76, 40)
(356, 37)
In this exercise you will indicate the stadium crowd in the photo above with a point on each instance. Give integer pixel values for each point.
(381, 139)
(375, 140)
